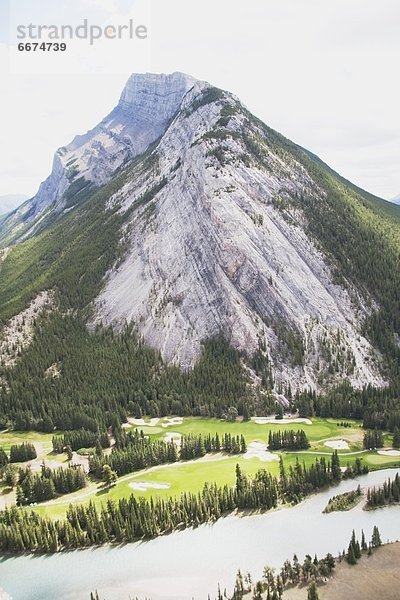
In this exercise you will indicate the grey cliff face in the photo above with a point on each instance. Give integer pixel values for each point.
(146, 106)
(214, 252)
(217, 241)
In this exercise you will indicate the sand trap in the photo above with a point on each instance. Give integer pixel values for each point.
(168, 421)
(389, 452)
(151, 423)
(260, 451)
(143, 486)
(265, 420)
(172, 436)
(337, 445)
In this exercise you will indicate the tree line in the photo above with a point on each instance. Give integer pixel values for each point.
(272, 585)
(132, 518)
(81, 438)
(373, 439)
(288, 440)
(22, 452)
(299, 480)
(310, 572)
(137, 451)
(377, 407)
(355, 548)
(48, 483)
(385, 494)
(18, 453)
(194, 446)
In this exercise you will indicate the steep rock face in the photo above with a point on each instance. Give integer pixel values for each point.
(220, 246)
(49, 191)
(146, 107)
(215, 235)
(18, 332)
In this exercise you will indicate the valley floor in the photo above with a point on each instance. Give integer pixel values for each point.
(324, 435)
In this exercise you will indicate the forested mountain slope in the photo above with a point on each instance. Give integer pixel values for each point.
(228, 261)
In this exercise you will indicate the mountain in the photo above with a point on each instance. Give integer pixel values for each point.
(11, 201)
(93, 158)
(396, 199)
(184, 218)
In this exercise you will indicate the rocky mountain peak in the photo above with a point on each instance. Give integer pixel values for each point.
(216, 235)
(218, 244)
(155, 97)
(148, 103)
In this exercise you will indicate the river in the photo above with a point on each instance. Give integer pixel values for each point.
(190, 564)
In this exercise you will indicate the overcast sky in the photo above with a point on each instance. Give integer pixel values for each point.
(323, 73)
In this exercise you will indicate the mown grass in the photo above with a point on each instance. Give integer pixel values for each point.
(321, 429)
(192, 475)
(185, 476)
(41, 441)
(8, 438)
(378, 461)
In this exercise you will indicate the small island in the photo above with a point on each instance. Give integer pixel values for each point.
(343, 502)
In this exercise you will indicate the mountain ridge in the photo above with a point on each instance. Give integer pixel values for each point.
(91, 159)
(223, 227)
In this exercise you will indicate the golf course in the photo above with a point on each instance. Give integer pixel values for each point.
(324, 436)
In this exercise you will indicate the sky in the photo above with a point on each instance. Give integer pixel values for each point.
(325, 74)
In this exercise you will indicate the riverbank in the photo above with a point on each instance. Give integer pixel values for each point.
(193, 562)
(375, 576)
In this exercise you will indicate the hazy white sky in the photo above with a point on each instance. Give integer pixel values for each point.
(323, 73)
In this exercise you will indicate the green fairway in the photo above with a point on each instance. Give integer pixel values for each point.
(180, 477)
(172, 480)
(321, 429)
(43, 446)
(8, 438)
(377, 461)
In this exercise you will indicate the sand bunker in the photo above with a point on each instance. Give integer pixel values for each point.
(265, 420)
(151, 423)
(260, 451)
(389, 452)
(168, 421)
(337, 445)
(172, 436)
(143, 486)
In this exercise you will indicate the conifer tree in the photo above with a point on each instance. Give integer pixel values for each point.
(69, 453)
(312, 592)
(376, 538)
(3, 458)
(350, 556)
(396, 437)
(364, 546)
(109, 476)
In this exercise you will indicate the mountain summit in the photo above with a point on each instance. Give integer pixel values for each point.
(146, 106)
(219, 226)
